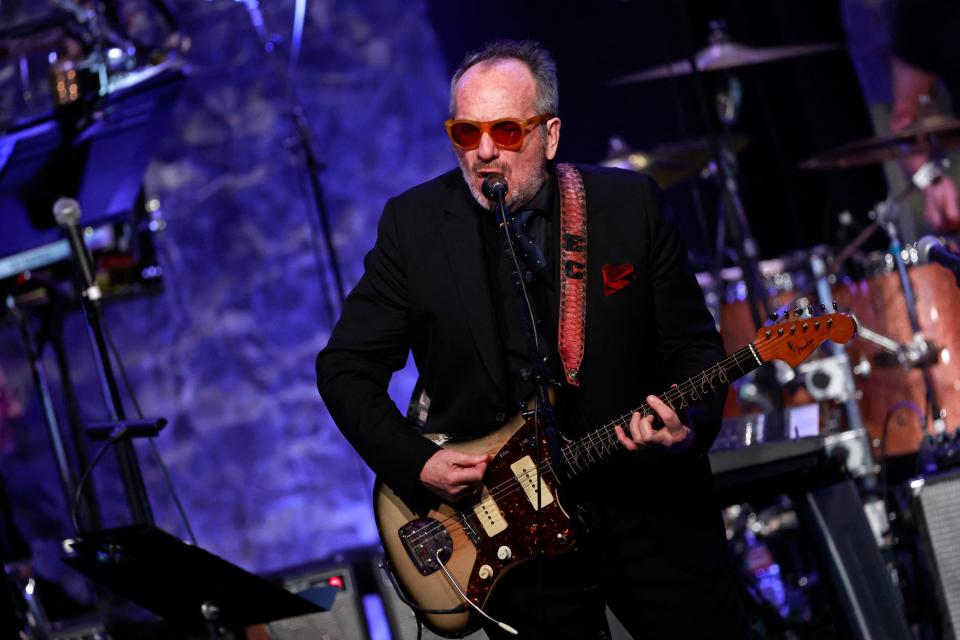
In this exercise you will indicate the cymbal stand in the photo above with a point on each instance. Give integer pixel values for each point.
(734, 220)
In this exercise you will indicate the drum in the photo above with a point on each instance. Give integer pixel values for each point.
(891, 392)
(785, 280)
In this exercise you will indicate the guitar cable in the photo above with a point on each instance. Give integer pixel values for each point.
(385, 567)
(483, 613)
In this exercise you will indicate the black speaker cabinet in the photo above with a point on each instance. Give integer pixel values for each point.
(846, 546)
(937, 501)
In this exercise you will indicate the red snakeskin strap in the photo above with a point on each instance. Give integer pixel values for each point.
(573, 271)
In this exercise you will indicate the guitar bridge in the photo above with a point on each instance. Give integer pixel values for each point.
(468, 528)
(425, 539)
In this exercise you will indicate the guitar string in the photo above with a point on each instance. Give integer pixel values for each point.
(569, 454)
(506, 488)
(748, 353)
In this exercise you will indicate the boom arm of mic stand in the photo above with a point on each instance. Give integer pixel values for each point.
(305, 136)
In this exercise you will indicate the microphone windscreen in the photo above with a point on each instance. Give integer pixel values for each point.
(494, 186)
(66, 211)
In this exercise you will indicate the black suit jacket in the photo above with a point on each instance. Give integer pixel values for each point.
(425, 289)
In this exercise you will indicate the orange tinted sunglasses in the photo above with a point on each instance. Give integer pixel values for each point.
(506, 133)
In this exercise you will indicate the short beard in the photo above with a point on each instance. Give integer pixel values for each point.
(517, 194)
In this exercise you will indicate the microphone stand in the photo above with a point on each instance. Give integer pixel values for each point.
(67, 213)
(543, 411)
(304, 139)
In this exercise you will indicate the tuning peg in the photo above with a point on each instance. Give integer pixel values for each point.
(834, 305)
(773, 316)
(823, 308)
(811, 310)
(786, 314)
(798, 311)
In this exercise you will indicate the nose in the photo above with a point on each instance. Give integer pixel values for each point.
(487, 150)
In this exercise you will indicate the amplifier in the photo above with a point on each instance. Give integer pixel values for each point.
(344, 621)
(938, 514)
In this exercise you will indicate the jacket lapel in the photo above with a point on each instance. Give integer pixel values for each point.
(461, 242)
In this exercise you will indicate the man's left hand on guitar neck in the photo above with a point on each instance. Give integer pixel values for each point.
(674, 435)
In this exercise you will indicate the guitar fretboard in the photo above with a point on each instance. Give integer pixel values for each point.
(599, 444)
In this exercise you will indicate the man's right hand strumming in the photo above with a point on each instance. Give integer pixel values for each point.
(452, 474)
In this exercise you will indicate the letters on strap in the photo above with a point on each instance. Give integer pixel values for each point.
(573, 271)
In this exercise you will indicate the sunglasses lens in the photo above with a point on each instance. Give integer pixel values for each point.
(507, 133)
(465, 134)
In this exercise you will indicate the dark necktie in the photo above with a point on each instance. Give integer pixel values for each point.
(527, 248)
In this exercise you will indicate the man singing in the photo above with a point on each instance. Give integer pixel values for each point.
(438, 282)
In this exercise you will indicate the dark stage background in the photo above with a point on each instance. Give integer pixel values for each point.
(226, 351)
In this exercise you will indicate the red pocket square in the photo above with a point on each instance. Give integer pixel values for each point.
(617, 276)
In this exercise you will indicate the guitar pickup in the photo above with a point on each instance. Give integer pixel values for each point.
(526, 473)
(489, 514)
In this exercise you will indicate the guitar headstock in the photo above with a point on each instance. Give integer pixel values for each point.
(795, 340)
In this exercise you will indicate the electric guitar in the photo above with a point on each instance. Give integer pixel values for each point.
(449, 559)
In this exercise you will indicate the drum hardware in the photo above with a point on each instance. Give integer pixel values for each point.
(843, 373)
(723, 54)
(916, 354)
(853, 449)
(672, 163)
(825, 378)
(887, 216)
(931, 136)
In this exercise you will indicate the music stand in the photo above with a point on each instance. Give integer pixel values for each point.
(183, 584)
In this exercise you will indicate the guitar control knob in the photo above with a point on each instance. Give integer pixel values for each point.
(485, 572)
(504, 553)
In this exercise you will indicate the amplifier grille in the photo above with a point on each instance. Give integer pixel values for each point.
(940, 505)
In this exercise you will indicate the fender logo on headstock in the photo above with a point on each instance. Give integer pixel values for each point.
(800, 348)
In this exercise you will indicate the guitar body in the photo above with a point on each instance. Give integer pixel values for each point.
(480, 538)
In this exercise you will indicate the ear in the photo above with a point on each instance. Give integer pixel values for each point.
(553, 138)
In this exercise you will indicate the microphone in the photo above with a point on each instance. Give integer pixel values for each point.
(66, 211)
(495, 187)
(930, 249)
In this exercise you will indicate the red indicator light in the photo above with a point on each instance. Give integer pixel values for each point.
(335, 581)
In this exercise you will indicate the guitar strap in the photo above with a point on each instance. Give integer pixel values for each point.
(571, 334)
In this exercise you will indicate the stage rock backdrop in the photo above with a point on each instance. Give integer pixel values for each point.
(226, 352)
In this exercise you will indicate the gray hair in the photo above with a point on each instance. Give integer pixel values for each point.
(532, 54)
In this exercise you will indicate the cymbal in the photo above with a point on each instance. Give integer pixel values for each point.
(672, 163)
(724, 54)
(930, 135)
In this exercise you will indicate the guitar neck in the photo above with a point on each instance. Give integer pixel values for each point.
(600, 444)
